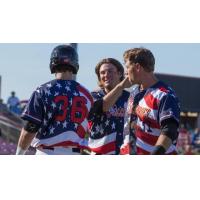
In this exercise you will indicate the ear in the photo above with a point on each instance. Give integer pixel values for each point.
(138, 67)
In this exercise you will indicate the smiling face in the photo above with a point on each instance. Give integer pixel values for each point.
(109, 76)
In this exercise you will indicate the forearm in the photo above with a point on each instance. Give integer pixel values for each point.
(24, 141)
(164, 141)
(162, 145)
(169, 133)
(110, 99)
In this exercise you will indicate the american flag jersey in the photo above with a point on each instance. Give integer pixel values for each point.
(145, 111)
(61, 108)
(106, 129)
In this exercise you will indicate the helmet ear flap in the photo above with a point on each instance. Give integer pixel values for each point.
(55, 61)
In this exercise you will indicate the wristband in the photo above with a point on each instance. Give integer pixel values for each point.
(159, 150)
(20, 151)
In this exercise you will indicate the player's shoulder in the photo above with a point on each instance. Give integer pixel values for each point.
(46, 85)
(165, 88)
(166, 91)
(97, 90)
(81, 87)
(98, 93)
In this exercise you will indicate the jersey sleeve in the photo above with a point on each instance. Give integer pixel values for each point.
(96, 96)
(169, 108)
(97, 108)
(34, 110)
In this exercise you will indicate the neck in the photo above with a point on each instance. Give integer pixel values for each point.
(108, 89)
(149, 80)
(64, 75)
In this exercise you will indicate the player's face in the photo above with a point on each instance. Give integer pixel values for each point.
(132, 72)
(109, 76)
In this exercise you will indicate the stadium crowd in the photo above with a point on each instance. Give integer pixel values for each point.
(10, 119)
(188, 142)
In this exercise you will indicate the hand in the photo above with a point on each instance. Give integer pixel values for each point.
(126, 83)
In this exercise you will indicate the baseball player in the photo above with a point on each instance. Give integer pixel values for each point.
(56, 114)
(153, 108)
(106, 118)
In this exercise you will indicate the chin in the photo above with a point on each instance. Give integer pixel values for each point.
(106, 84)
(131, 80)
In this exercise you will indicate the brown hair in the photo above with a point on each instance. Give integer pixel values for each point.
(142, 56)
(113, 61)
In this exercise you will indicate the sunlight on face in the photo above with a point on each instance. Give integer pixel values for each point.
(109, 76)
(131, 71)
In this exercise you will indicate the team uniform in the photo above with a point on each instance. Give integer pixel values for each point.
(106, 128)
(145, 112)
(60, 108)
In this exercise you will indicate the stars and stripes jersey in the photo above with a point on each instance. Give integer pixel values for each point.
(106, 128)
(145, 112)
(60, 108)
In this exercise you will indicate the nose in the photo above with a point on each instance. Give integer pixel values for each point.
(107, 74)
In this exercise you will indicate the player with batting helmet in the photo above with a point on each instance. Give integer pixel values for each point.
(56, 114)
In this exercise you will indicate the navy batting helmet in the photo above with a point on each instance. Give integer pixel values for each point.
(64, 57)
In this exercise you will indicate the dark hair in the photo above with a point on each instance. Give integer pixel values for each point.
(142, 56)
(113, 61)
(64, 68)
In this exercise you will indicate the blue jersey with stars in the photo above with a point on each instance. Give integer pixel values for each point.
(106, 128)
(60, 108)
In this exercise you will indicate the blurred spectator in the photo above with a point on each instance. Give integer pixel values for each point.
(13, 103)
(3, 106)
(188, 150)
(196, 140)
(184, 141)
